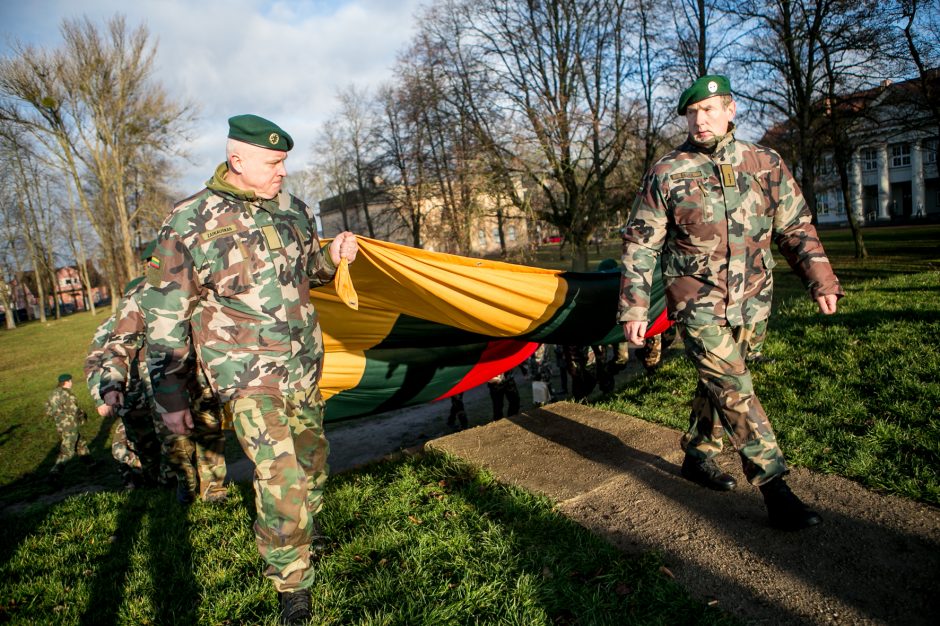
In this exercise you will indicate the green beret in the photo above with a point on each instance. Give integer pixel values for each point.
(259, 132)
(64, 377)
(704, 87)
(147, 252)
(133, 283)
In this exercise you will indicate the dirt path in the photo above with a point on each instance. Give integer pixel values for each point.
(874, 560)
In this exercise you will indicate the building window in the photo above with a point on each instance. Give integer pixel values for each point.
(830, 202)
(512, 233)
(826, 166)
(930, 151)
(900, 154)
(869, 159)
(482, 236)
(837, 201)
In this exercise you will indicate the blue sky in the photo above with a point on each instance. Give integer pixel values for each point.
(283, 60)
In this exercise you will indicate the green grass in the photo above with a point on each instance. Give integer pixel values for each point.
(31, 358)
(425, 540)
(854, 394)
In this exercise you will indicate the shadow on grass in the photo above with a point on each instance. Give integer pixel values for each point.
(152, 519)
(37, 487)
(7, 434)
(836, 558)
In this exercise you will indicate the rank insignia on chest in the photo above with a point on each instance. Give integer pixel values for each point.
(272, 238)
(727, 175)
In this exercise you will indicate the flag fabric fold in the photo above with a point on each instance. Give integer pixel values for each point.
(429, 324)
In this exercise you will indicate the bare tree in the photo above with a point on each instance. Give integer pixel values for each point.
(404, 152)
(331, 157)
(543, 83)
(784, 63)
(96, 110)
(76, 239)
(702, 30)
(358, 131)
(920, 20)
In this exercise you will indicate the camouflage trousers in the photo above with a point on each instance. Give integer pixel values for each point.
(198, 459)
(756, 344)
(725, 402)
(284, 438)
(70, 444)
(138, 419)
(123, 451)
(653, 347)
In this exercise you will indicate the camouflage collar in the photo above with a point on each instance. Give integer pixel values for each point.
(718, 149)
(219, 185)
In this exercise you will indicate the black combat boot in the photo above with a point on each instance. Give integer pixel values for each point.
(295, 606)
(785, 510)
(184, 494)
(706, 472)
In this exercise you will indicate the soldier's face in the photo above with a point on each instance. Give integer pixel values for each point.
(258, 169)
(709, 118)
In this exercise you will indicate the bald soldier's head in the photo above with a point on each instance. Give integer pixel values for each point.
(255, 152)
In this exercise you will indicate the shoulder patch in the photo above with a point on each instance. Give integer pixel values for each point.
(154, 275)
(685, 175)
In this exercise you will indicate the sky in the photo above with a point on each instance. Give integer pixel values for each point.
(283, 60)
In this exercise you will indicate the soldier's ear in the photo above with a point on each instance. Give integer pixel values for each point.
(235, 164)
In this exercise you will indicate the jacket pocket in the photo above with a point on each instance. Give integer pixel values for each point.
(228, 271)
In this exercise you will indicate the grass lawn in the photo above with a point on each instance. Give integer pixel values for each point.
(430, 541)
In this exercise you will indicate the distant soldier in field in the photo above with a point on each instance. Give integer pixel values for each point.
(123, 450)
(231, 276)
(710, 210)
(62, 408)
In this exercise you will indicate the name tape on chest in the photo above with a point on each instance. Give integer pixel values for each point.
(218, 232)
(686, 175)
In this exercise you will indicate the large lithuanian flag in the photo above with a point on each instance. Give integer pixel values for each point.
(430, 325)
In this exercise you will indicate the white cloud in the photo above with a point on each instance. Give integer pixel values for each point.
(284, 60)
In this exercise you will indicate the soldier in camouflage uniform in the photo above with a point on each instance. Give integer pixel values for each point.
(710, 209)
(196, 459)
(122, 449)
(232, 273)
(62, 408)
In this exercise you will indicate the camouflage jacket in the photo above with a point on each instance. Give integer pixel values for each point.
(95, 359)
(235, 271)
(124, 366)
(62, 407)
(711, 218)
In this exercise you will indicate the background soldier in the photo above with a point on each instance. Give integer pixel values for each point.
(710, 209)
(232, 275)
(196, 459)
(62, 408)
(503, 386)
(122, 448)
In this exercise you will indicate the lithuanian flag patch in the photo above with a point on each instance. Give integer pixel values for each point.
(154, 262)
